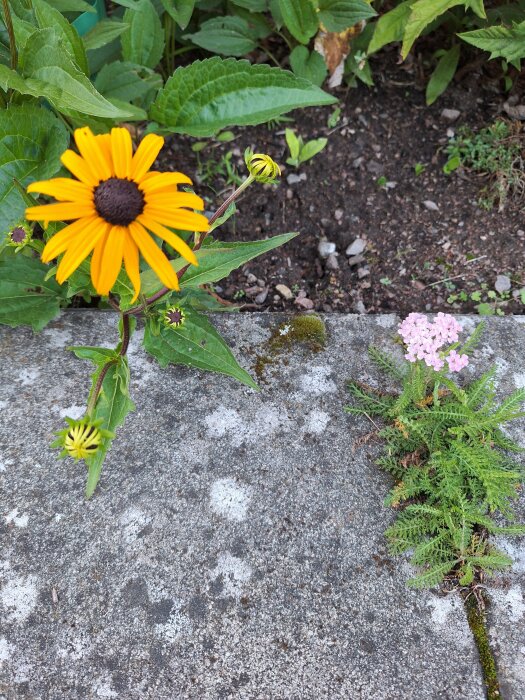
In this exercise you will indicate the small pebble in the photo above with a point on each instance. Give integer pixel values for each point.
(356, 248)
(360, 307)
(502, 284)
(331, 262)
(430, 205)
(338, 214)
(293, 179)
(250, 278)
(356, 260)
(326, 248)
(305, 303)
(362, 272)
(450, 114)
(289, 194)
(284, 291)
(261, 297)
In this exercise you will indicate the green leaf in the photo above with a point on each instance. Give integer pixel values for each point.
(103, 33)
(72, 5)
(216, 261)
(312, 148)
(26, 297)
(338, 15)
(230, 36)
(300, 19)
(293, 143)
(206, 96)
(477, 7)
(48, 17)
(390, 26)
(180, 10)
(196, 343)
(31, 142)
(443, 74)
(143, 41)
(122, 80)
(423, 13)
(308, 65)
(49, 72)
(500, 42)
(252, 5)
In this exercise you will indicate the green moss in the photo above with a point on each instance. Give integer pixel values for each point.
(476, 620)
(306, 330)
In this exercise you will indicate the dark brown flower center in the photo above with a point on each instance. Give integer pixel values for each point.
(18, 234)
(118, 201)
(175, 317)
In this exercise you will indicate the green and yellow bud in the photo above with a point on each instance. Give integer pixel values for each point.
(20, 235)
(173, 316)
(261, 167)
(82, 438)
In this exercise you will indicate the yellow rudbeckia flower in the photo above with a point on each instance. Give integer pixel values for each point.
(113, 203)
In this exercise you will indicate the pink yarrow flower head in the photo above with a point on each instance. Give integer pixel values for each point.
(424, 340)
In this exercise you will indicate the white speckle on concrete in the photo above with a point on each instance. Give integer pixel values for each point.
(316, 381)
(515, 550)
(468, 324)
(58, 517)
(519, 380)
(57, 339)
(133, 520)
(76, 645)
(19, 597)
(386, 320)
(104, 690)
(448, 614)
(3, 404)
(510, 602)
(227, 422)
(27, 377)
(502, 367)
(316, 422)
(229, 499)
(234, 573)
(6, 650)
(177, 626)
(73, 411)
(6, 463)
(17, 520)
(144, 370)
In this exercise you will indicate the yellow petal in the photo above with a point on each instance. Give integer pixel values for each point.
(104, 143)
(79, 168)
(172, 201)
(96, 259)
(92, 153)
(174, 241)
(65, 211)
(161, 181)
(122, 150)
(112, 260)
(64, 189)
(154, 256)
(131, 263)
(61, 240)
(80, 250)
(178, 218)
(145, 155)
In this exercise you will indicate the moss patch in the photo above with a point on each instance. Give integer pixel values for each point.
(308, 331)
(476, 620)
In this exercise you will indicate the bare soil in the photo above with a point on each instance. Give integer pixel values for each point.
(416, 254)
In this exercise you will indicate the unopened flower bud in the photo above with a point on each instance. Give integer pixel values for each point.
(19, 235)
(261, 167)
(82, 438)
(174, 316)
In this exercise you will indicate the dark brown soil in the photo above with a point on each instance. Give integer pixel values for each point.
(415, 256)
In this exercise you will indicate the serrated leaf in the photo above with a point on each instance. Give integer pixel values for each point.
(500, 42)
(390, 26)
(49, 72)
(423, 12)
(49, 17)
(338, 15)
(229, 36)
(442, 74)
(308, 65)
(26, 297)
(104, 32)
(143, 40)
(180, 10)
(196, 343)
(300, 19)
(216, 261)
(31, 142)
(206, 96)
(477, 7)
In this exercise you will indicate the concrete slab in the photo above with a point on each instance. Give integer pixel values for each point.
(234, 548)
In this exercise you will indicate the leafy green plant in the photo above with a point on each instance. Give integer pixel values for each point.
(447, 451)
(300, 152)
(489, 302)
(496, 152)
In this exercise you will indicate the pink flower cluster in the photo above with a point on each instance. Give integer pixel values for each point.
(425, 339)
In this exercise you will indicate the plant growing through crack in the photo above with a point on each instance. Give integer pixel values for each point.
(445, 447)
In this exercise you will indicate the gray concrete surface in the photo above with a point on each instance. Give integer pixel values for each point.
(234, 548)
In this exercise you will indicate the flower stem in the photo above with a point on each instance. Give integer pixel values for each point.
(11, 33)
(202, 236)
(93, 397)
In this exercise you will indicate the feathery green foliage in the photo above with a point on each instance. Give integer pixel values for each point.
(452, 466)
